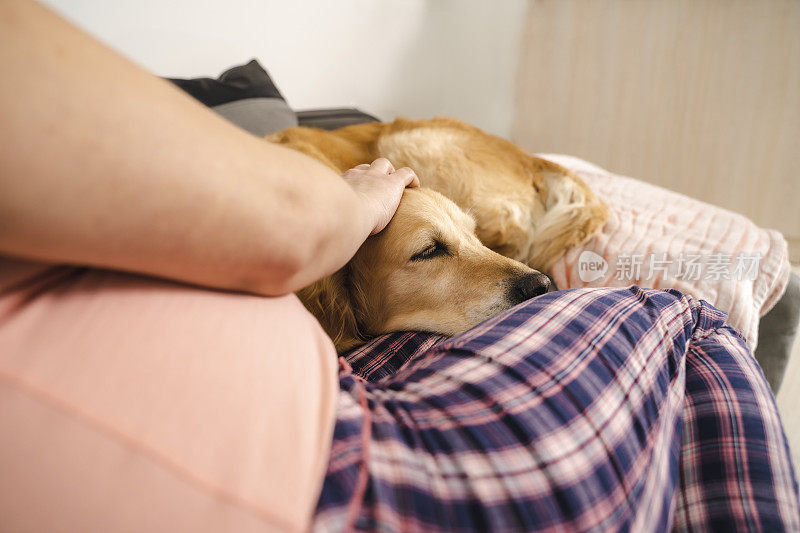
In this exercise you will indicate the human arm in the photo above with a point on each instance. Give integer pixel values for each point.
(103, 164)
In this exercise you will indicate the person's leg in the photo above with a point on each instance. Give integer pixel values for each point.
(564, 413)
(735, 465)
(132, 404)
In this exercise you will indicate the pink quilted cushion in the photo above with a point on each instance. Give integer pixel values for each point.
(661, 239)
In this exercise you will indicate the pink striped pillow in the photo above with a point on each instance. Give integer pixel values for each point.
(662, 239)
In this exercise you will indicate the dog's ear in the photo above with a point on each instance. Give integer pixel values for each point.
(505, 226)
(572, 213)
(330, 301)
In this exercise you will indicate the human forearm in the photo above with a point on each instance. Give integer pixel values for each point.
(152, 183)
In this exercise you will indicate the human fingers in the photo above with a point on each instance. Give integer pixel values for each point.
(361, 167)
(408, 176)
(382, 165)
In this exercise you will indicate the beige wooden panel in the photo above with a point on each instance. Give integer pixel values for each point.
(701, 96)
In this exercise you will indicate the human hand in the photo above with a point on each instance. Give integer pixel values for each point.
(380, 186)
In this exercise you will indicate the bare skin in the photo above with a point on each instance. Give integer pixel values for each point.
(103, 164)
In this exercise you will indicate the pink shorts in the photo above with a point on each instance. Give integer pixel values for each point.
(134, 404)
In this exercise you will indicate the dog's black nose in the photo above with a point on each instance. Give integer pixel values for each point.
(527, 286)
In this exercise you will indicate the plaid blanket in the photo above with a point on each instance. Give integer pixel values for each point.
(580, 410)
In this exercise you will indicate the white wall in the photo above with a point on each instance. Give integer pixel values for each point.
(416, 58)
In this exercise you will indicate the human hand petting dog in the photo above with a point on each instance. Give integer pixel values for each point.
(381, 187)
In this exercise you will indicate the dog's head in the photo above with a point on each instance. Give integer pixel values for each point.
(427, 270)
(526, 207)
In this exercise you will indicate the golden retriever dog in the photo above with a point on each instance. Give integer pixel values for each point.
(526, 208)
(427, 270)
(453, 254)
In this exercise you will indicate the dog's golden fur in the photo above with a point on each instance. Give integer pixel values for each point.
(523, 208)
(527, 208)
(388, 286)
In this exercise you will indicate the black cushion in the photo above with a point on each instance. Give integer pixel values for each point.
(236, 83)
(330, 119)
(246, 96)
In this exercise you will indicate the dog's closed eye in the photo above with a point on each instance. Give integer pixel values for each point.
(435, 249)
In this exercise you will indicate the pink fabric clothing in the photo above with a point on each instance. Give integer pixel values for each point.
(134, 404)
(653, 233)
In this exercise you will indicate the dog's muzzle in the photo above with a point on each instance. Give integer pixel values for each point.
(527, 286)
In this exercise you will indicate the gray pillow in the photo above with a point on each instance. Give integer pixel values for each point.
(259, 116)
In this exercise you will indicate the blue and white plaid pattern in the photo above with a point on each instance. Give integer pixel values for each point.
(581, 410)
